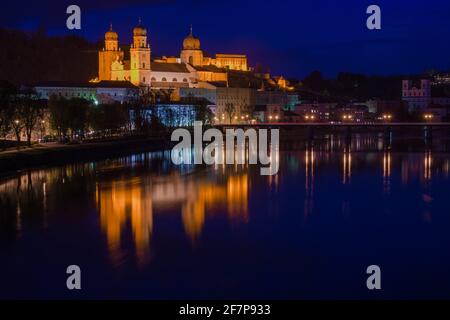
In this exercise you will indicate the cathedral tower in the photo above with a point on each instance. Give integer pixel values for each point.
(140, 57)
(110, 53)
(191, 52)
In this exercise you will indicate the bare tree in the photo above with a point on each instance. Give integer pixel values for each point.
(30, 113)
(230, 111)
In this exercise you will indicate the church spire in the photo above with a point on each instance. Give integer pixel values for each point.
(110, 27)
(190, 30)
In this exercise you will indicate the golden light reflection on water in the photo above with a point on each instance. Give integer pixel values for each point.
(387, 172)
(428, 162)
(347, 167)
(137, 201)
(129, 204)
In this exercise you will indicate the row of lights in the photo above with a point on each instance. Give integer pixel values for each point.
(347, 117)
(274, 117)
(17, 122)
(386, 117)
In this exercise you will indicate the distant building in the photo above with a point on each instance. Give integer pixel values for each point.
(421, 94)
(235, 103)
(102, 92)
(170, 114)
(268, 113)
(317, 112)
(352, 113)
(417, 94)
(209, 94)
(188, 70)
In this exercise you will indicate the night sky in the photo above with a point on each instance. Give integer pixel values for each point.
(293, 37)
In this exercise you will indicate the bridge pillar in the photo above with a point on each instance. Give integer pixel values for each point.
(310, 135)
(428, 135)
(348, 137)
(388, 137)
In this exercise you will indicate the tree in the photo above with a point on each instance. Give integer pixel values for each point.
(230, 111)
(68, 115)
(202, 111)
(29, 111)
(7, 93)
(247, 111)
(17, 127)
(111, 117)
(59, 119)
(314, 81)
(78, 115)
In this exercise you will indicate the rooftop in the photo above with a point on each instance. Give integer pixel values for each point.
(169, 67)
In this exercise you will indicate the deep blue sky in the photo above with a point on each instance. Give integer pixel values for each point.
(293, 37)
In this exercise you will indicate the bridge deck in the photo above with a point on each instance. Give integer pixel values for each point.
(321, 124)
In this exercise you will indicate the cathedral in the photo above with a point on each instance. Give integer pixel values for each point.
(191, 70)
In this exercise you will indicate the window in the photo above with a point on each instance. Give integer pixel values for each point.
(143, 79)
(185, 80)
(153, 79)
(164, 80)
(191, 60)
(143, 65)
(174, 80)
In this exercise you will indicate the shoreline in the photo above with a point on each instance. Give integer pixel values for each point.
(43, 156)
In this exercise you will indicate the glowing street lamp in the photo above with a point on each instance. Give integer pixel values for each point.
(16, 122)
(428, 116)
(387, 117)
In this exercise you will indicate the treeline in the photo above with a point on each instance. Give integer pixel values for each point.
(348, 86)
(28, 58)
(20, 112)
(23, 113)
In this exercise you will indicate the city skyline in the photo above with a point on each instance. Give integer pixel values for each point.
(294, 42)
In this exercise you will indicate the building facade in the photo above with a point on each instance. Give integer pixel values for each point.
(189, 70)
(102, 92)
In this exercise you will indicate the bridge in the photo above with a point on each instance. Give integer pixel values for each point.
(311, 127)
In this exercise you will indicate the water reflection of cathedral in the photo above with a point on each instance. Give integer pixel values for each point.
(137, 201)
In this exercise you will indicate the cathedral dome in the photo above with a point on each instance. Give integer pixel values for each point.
(191, 42)
(111, 35)
(139, 30)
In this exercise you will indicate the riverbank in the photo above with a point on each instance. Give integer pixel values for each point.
(58, 154)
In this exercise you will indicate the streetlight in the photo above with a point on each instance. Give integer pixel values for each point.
(387, 117)
(428, 116)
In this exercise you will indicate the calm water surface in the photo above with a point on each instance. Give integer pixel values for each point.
(140, 228)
